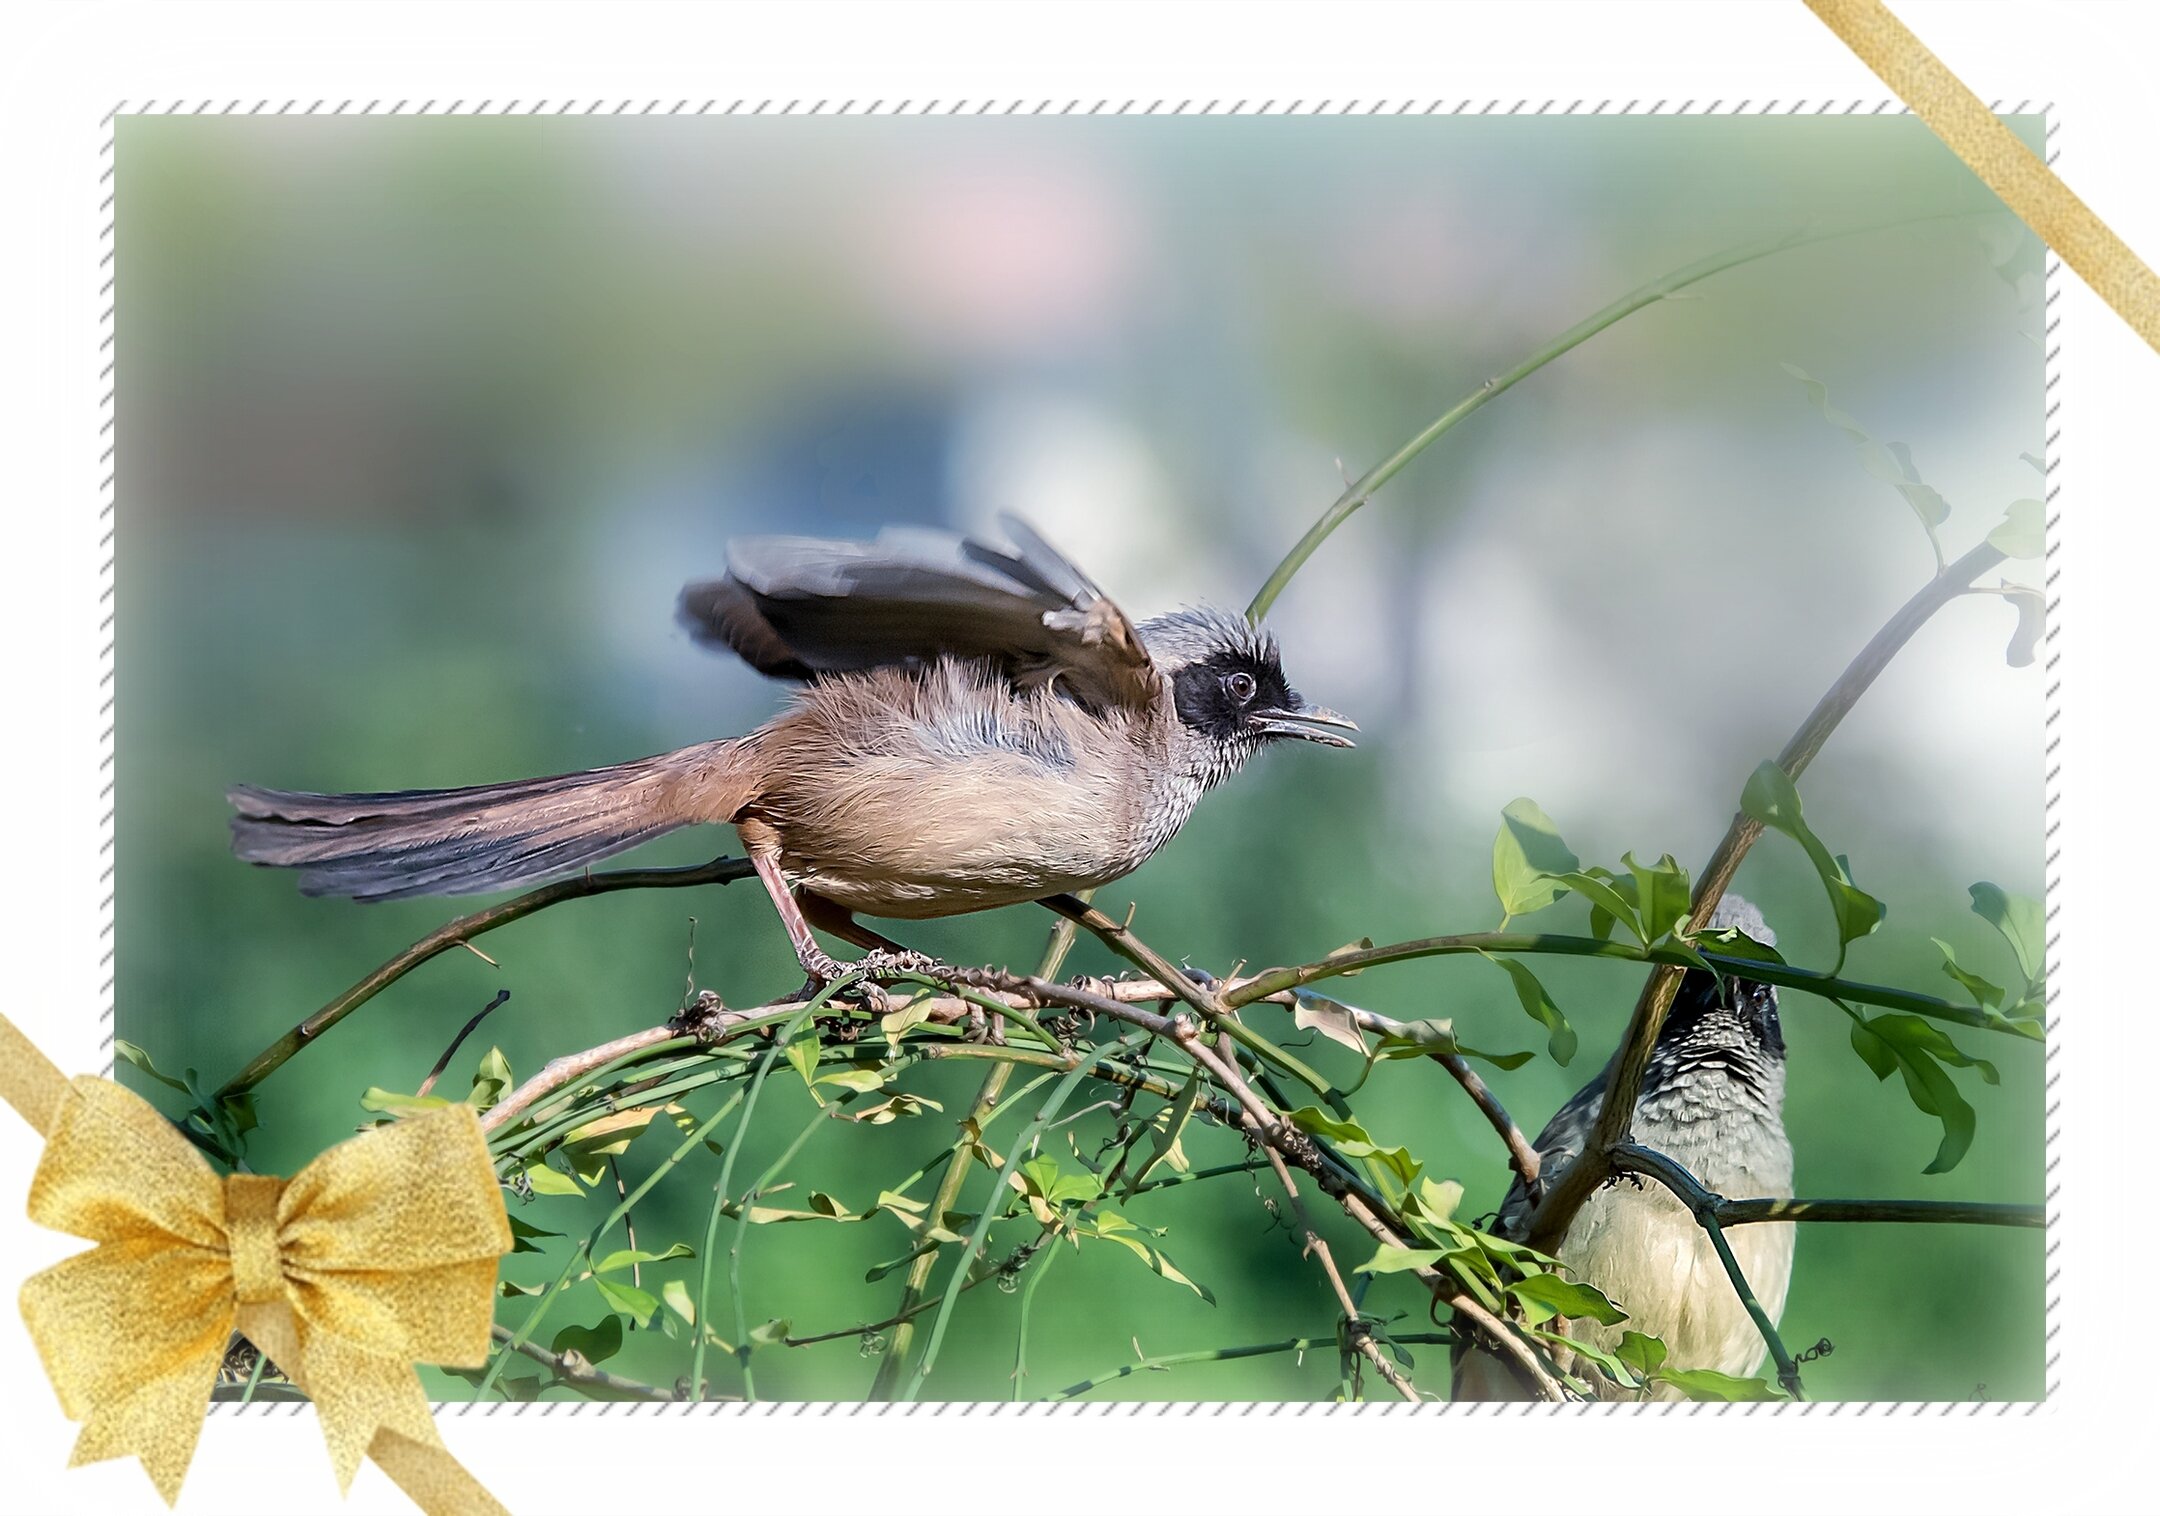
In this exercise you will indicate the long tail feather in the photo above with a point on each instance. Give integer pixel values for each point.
(484, 837)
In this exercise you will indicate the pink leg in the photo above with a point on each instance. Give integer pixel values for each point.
(820, 965)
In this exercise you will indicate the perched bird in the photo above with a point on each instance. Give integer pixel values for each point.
(977, 726)
(1712, 1100)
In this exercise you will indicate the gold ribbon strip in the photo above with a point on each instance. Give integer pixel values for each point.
(2004, 164)
(379, 1254)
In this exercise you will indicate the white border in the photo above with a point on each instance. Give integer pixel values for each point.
(1369, 57)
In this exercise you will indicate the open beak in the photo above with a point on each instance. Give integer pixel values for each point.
(1307, 722)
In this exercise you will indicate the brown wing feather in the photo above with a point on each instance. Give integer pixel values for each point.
(800, 607)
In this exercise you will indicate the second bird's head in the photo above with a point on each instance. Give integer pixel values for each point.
(1232, 697)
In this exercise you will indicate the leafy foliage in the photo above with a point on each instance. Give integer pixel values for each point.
(1771, 799)
(1890, 462)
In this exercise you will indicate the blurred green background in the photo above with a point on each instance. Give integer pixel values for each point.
(427, 420)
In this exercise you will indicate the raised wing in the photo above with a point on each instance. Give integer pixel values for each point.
(799, 607)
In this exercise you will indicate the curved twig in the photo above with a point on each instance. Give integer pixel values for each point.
(461, 931)
(579, 1372)
(1703, 1203)
(1549, 1223)
(1353, 499)
(1522, 1157)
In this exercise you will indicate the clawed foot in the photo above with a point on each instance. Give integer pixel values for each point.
(880, 963)
(705, 1017)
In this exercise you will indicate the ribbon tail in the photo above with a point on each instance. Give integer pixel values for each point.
(371, 1406)
(160, 1423)
(132, 1357)
(435, 1481)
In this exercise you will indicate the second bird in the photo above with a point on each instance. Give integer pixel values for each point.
(979, 726)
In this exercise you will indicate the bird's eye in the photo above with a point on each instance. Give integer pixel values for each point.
(1240, 685)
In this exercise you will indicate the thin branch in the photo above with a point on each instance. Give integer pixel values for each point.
(1784, 975)
(570, 1066)
(1301, 1150)
(727, 1173)
(1205, 1355)
(1227, 1355)
(714, 1026)
(1522, 1157)
(1939, 1212)
(459, 933)
(1354, 1321)
(1027, 1311)
(576, 1370)
(947, 1195)
(973, 1246)
(1120, 939)
(1703, 1203)
(458, 1041)
(583, 1252)
(1549, 1223)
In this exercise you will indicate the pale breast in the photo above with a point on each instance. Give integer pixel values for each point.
(929, 794)
(1644, 1250)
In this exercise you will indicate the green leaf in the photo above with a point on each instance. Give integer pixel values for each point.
(522, 1234)
(1331, 1019)
(2021, 921)
(802, 1056)
(2031, 623)
(1614, 1368)
(1875, 1052)
(596, 1343)
(1709, 1384)
(855, 1077)
(1391, 1259)
(1432, 1037)
(2019, 535)
(491, 1080)
(1662, 894)
(771, 1333)
(1598, 887)
(1903, 1030)
(635, 1303)
(899, 1104)
(1435, 1201)
(1363, 944)
(1917, 1049)
(1540, 1008)
(1892, 462)
(390, 1102)
(676, 1295)
(1352, 1141)
(1545, 1296)
(548, 1180)
(1643, 1354)
(1982, 992)
(1041, 1179)
(588, 1148)
(141, 1060)
(1166, 1133)
(623, 1258)
(1526, 853)
(897, 1022)
(1771, 799)
(1109, 1226)
(1731, 942)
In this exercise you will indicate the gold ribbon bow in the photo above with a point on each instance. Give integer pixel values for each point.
(379, 1254)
